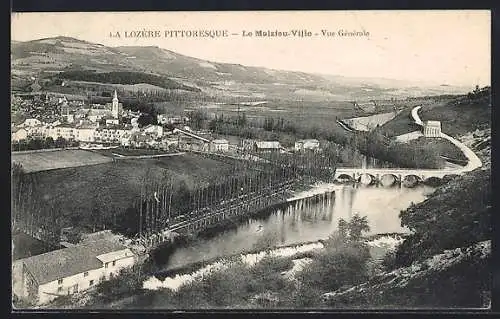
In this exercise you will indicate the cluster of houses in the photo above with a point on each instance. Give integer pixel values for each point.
(202, 142)
(105, 125)
(98, 124)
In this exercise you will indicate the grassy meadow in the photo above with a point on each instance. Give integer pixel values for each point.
(33, 161)
(117, 184)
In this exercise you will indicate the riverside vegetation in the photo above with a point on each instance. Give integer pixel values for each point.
(456, 216)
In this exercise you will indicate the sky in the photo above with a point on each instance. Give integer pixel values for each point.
(440, 46)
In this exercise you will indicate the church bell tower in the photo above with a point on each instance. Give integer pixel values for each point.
(115, 106)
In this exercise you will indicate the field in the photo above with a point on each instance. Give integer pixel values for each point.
(307, 113)
(48, 160)
(399, 125)
(117, 184)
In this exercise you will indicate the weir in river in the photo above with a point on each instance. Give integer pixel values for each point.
(304, 219)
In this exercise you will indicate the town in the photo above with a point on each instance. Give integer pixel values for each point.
(98, 126)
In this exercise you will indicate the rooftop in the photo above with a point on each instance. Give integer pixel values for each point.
(268, 144)
(220, 141)
(433, 123)
(69, 261)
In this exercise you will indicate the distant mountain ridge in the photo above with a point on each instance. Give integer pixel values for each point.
(53, 55)
(60, 53)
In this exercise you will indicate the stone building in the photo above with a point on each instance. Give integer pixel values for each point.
(432, 129)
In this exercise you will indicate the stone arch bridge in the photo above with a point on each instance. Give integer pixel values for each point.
(391, 176)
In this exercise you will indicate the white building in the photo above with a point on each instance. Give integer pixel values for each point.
(111, 134)
(19, 134)
(134, 122)
(112, 121)
(309, 144)
(162, 119)
(86, 133)
(432, 129)
(30, 122)
(155, 130)
(267, 146)
(220, 145)
(44, 277)
(67, 132)
(39, 131)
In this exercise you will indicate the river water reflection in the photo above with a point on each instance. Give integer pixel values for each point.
(307, 220)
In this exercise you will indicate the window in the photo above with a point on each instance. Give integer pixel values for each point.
(85, 274)
(114, 263)
(91, 283)
(60, 281)
(106, 265)
(59, 289)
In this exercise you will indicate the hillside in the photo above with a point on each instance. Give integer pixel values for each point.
(44, 57)
(436, 282)
(64, 54)
(458, 114)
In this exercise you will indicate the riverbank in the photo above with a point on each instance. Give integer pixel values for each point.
(259, 240)
(279, 265)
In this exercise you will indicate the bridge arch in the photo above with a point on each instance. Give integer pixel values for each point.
(411, 180)
(344, 178)
(388, 180)
(367, 179)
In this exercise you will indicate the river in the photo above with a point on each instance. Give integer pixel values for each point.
(306, 219)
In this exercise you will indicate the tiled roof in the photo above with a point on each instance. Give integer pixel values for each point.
(69, 261)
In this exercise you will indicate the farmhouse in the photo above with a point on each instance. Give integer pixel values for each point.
(310, 144)
(44, 277)
(220, 145)
(267, 146)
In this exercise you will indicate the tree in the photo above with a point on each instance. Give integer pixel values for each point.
(49, 142)
(357, 225)
(147, 119)
(60, 142)
(198, 117)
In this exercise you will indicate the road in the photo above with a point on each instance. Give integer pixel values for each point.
(473, 160)
(119, 156)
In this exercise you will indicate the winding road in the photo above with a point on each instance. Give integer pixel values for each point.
(473, 160)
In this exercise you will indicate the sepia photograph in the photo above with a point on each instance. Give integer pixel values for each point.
(251, 160)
